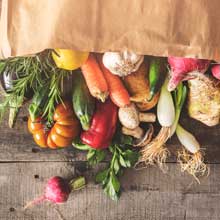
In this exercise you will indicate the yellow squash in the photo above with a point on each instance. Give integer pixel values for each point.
(69, 59)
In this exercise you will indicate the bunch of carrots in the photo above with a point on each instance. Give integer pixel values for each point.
(101, 82)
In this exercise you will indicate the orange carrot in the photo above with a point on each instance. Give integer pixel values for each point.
(95, 79)
(118, 94)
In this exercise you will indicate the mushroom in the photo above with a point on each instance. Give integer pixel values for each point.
(142, 139)
(130, 117)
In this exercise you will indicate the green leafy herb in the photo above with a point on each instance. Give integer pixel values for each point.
(121, 158)
(55, 94)
(28, 74)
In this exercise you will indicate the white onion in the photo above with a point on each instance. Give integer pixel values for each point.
(165, 107)
(187, 139)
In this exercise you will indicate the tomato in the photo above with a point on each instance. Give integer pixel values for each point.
(60, 140)
(65, 128)
(50, 143)
(40, 137)
(69, 59)
(34, 126)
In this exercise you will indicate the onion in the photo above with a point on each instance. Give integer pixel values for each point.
(187, 139)
(191, 158)
(165, 107)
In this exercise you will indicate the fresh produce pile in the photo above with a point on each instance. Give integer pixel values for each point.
(115, 101)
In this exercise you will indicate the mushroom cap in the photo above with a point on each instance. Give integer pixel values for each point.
(129, 116)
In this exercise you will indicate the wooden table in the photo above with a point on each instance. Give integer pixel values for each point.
(146, 194)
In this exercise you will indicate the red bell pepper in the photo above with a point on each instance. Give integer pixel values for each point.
(103, 126)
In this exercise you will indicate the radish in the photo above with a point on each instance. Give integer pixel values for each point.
(181, 67)
(57, 190)
(216, 71)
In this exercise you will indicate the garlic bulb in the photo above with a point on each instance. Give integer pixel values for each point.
(122, 63)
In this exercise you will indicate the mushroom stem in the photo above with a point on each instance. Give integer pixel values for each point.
(136, 133)
(147, 117)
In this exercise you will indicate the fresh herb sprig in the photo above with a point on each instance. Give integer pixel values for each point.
(122, 157)
(28, 74)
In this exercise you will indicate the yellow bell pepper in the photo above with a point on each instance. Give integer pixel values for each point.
(69, 59)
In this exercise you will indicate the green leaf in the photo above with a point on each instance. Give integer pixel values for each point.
(2, 66)
(91, 153)
(95, 156)
(112, 187)
(131, 157)
(115, 182)
(101, 176)
(116, 165)
(126, 140)
(122, 161)
(100, 155)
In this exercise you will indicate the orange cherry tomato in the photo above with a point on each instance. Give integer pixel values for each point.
(66, 127)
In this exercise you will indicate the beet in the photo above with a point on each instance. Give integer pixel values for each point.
(57, 190)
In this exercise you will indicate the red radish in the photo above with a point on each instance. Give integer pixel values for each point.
(57, 190)
(216, 71)
(181, 67)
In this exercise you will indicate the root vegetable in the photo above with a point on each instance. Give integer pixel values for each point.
(138, 87)
(122, 63)
(95, 79)
(155, 151)
(165, 108)
(57, 190)
(180, 67)
(190, 158)
(130, 117)
(204, 99)
(117, 92)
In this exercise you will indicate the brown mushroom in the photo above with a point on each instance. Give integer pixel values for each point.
(130, 117)
(142, 138)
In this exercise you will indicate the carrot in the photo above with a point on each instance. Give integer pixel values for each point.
(118, 94)
(95, 79)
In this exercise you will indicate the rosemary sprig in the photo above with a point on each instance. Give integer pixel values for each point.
(55, 94)
(28, 72)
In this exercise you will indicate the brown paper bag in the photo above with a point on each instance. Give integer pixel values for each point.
(189, 28)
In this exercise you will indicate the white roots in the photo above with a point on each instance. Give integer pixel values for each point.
(193, 163)
(155, 152)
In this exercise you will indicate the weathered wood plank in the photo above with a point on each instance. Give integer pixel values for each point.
(17, 144)
(147, 194)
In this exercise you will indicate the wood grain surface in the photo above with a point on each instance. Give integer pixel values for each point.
(147, 194)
